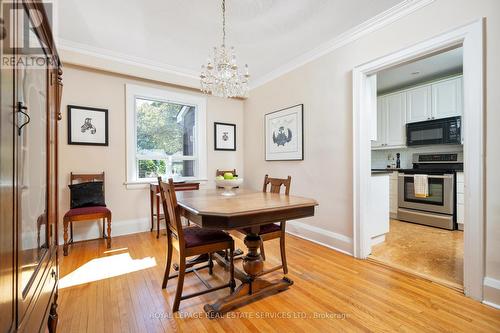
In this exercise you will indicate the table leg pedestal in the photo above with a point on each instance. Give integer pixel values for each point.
(252, 286)
(246, 292)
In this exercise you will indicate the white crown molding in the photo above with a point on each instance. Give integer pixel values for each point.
(375, 23)
(87, 52)
(95, 57)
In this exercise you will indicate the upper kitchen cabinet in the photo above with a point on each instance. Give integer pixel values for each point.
(440, 99)
(447, 98)
(396, 120)
(418, 104)
(391, 120)
(381, 122)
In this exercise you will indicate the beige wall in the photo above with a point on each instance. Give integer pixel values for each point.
(324, 86)
(130, 207)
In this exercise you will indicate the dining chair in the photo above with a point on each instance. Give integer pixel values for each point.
(188, 242)
(154, 202)
(91, 213)
(222, 172)
(271, 230)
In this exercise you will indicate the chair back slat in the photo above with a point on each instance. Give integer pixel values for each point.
(276, 184)
(222, 172)
(170, 207)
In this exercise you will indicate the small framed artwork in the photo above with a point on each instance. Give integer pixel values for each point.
(285, 134)
(224, 136)
(87, 126)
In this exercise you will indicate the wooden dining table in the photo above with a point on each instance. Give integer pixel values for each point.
(247, 209)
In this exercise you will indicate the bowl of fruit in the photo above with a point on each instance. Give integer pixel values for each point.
(228, 182)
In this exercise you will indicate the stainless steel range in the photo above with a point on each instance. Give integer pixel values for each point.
(438, 209)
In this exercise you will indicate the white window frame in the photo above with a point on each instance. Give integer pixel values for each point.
(200, 103)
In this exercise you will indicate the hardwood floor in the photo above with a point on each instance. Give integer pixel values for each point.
(333, 292)
(433, 253)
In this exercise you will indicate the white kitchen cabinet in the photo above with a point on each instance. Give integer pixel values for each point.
(378, 212)
(447, 98)
(460, 200)
(418, 104)
(391, 120)
(396, 120)
(393, 195)
(381, 122)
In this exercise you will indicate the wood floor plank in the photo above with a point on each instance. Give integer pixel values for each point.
(331, 292)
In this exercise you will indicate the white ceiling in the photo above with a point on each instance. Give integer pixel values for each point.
(439, 65)
(179, 33)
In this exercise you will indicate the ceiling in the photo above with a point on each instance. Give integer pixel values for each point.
(179, 33)
(439, 65)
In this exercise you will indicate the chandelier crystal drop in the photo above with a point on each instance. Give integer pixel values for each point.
(221, 75)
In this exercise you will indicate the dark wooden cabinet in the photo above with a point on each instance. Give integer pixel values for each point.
(30, 102)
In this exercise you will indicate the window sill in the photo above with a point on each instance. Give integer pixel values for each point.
(142, 184)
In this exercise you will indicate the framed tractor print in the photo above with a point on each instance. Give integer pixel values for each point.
(87, 126)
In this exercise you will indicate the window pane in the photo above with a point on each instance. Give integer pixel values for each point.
(183, 168)
(151, 168)
(165, 129)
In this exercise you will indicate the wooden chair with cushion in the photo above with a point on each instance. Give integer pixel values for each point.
(154, 201)
(272, 230)
(191, 241)
(91, 213)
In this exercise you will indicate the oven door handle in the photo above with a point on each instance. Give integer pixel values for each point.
(429, 176)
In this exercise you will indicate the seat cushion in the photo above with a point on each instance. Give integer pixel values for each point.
(195, 236)
(88, 194)
(264, 229)
(86, 211)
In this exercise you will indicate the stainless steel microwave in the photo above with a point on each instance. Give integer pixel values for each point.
(446, 131)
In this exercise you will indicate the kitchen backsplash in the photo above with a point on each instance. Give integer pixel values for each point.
(382, 158)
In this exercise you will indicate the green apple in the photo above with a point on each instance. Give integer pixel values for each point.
(228, 175)
(219, 178)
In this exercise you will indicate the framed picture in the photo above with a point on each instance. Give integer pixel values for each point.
(285, 134)
(224, 136)
(87, 126)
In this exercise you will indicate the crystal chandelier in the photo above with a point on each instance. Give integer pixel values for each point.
(221, 75)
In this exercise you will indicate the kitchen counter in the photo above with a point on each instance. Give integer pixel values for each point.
(380, 172)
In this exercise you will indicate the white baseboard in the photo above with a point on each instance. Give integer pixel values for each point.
(378, 239)
(320, 236)
(491, 292)
(91, 230)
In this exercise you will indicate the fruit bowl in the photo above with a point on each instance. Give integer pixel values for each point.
(228, 185)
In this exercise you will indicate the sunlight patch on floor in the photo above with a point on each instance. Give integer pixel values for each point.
(104, 268)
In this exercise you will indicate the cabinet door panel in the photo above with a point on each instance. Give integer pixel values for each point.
(7, 295)
(447, 98)
(418, 104)
(396, 119)
(381, 122)
(31, 178)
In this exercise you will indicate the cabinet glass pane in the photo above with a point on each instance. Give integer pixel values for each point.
(32, 170)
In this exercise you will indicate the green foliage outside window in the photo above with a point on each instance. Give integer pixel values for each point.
(157, 127)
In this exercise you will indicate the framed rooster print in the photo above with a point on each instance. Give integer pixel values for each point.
(87, 126)
(285, 134)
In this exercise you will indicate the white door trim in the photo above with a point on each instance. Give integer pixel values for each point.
(471, 38)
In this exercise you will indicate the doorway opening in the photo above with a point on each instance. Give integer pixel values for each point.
(420, 138)
(424, 199)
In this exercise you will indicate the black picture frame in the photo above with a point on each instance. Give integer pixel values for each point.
(75, 108)
(301, 157)
(216, 146)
